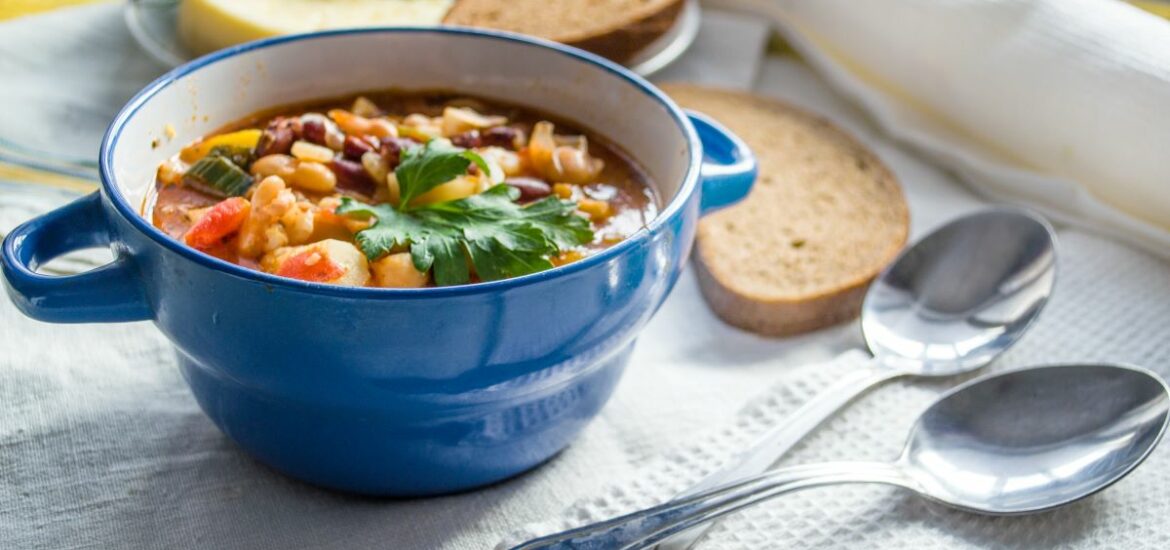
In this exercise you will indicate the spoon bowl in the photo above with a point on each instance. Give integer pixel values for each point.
(1036, 439)
(962, 295)
(1019, 442)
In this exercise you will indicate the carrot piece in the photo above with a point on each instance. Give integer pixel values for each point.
(223, 219)
(311, 265)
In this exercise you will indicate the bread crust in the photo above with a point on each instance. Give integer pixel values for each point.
(783, 312)
(618, 42)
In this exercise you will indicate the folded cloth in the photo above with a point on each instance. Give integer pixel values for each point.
(1058, 104)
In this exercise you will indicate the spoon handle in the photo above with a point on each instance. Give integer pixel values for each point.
(653, 525)
(772, 445)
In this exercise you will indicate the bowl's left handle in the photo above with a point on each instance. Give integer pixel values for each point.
(110, 293)
(729, 166)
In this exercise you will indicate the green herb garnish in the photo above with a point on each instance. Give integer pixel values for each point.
(218, 175)
(426, 167)
(499, 237)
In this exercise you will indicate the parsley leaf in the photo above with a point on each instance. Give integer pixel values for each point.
(428, 166)
(500, 237)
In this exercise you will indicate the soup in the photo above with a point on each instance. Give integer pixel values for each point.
(401, 190)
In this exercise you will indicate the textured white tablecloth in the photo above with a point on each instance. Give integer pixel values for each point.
(101, 445)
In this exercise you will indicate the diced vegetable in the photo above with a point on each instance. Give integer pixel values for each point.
(458, 188)
(218, 222)
(219, 176)
(564, 190)
(243, 139)
(329, 261)
(311, 265)
(414, 133)
(362, 106)
(556, 161)
(355, 125)
(597, 210)
(457, 120)
(240, 156)
(398, 271)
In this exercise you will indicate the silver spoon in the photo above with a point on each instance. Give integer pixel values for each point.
(1019, 442)
(950, 304)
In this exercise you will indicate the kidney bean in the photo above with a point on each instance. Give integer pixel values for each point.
(502, 136)
(530, 188)
(467, 140)
(278, 137)
(352, 176)
(355, 147)
(392, 148)
(314, 131)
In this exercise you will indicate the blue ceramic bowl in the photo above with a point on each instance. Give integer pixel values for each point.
(386, 391)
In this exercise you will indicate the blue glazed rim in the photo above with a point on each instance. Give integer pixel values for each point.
(671, 210)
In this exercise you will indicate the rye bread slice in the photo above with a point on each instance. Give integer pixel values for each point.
(825, 217)
(616, 29)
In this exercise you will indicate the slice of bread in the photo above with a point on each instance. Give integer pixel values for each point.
(825, 217)
(616, 29)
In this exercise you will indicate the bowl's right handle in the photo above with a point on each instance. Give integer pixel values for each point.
(729, 166)
(110, 293)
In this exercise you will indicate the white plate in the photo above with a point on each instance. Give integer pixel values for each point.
(154, 25)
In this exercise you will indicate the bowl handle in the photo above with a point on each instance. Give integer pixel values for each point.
(729, 166)
(110, 293)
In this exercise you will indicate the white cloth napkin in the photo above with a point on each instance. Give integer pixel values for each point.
(1059, 104)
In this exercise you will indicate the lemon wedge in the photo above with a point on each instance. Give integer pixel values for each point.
(208, 25)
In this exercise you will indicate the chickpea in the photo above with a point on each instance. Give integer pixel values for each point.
(261, 232)
(298, 223)
(314, 177)
(274, 165)
(398, 271)
(274, 237)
